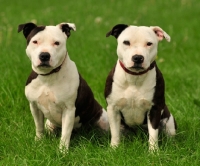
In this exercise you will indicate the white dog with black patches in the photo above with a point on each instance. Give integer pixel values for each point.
(135, 87)
(55, 89)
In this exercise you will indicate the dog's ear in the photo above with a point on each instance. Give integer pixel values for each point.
(27, 28)
(116, 30)
(160, 33)
(67, 27)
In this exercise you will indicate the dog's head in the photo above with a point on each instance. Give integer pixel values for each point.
(137, 45)
(46, 45)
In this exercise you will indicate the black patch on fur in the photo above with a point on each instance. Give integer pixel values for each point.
(27, 28)
(66, 28)
(32, 76)
(30, 30)
(87, 108)
(34, 32)
(116, 30)
(109, 81)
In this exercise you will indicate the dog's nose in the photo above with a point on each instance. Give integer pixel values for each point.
(44, 56)
(137, 58)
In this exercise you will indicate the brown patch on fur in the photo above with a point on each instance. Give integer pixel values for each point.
(87, 108)
(109, 81)
(32, 76)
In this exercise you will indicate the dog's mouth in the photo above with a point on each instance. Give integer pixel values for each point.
(137, 67)
(44, 64)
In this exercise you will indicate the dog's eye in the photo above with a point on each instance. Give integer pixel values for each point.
(35, 42)
(126, 42)
(57, 43)
(149, 43)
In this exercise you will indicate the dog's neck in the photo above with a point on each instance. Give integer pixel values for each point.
(152, 65)
(57, 69)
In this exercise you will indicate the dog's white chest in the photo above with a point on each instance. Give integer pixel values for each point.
(134, 105)
(47, 101)
(133, 100)
(52, 99)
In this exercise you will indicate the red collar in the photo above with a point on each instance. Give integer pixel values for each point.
(57, 69)
(152, 65)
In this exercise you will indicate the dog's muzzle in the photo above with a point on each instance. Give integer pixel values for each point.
(44, 58)
(138, 60)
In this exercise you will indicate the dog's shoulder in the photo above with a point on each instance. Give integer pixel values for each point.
(109, 81)
(33, 75)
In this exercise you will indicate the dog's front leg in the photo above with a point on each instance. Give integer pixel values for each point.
(114, 118)
(68, 117)
(153, 123)
(39, 121)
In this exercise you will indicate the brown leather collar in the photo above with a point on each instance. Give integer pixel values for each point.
(57, 69)
(152, 65)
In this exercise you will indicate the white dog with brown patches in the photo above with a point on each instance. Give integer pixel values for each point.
(55, 89)
(135, 87)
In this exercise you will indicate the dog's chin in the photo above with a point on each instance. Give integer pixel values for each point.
(43, 68)
(137, 68)
(44, 65)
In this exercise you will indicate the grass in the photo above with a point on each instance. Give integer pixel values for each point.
(95, 55)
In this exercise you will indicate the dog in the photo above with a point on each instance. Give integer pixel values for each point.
(134, 88)
(55, 89)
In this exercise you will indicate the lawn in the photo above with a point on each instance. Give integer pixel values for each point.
(95, 55)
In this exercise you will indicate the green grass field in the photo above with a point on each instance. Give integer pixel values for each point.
(95, 55)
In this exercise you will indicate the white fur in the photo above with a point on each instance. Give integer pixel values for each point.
(46, 43)
(138, 37)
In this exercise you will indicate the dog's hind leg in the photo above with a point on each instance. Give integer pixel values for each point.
(103, 121)
(169, 125)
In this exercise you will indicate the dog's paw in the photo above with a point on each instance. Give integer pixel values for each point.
(153, 148)
(115, 142)
(39, 137)
(114, 145)
(63, 149)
